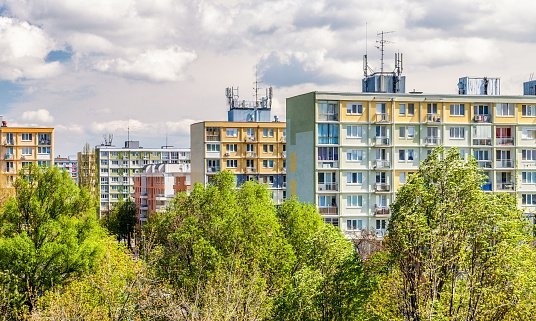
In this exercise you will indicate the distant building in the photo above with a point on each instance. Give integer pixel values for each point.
(22, 146)
(529, 87)
(87, 170)
(116, 167)
(251, 147)
(69, 164)
(157, 184)
(479, 86)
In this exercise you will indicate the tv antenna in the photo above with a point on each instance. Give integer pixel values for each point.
(381, 45)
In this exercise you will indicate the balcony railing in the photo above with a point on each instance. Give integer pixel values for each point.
(251, 170)
(433, 118)
(213, 169)
(328, 164)
(213, 138)
(381, 164)
(382, 141)
(328, 187)
(432, 141)
(382, 118)
(380, 210)
(482, 118)
(328, 117)
(382, 187)
(482, 141)
(504, 163)
(505, 140)
(250, 154)
(330, 210)
(44, 142)
(381, 232)
(9, 142)
(484, 163)
(505, 186)
(8, 156)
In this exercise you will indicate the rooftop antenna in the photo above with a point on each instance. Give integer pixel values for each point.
(128, 131)
(381, 44)
(531, 76)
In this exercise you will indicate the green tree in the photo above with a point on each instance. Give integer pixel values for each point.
(121, 221)
(217, 236)
(457, 253)
(48, 235)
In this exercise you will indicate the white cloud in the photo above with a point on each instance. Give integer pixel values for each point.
(157, 65)
(23, 50)
(150, 129)
(39, 116)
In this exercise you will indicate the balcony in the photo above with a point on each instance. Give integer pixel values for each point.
(381, 232)
(482, 118)
(44, 142)
(505, 186)
(484, 163)
(327, 164)
(213, 138)
(382, 187)
(9, 170)
(382, 118)
(330, 210)
(8, 156)
(284, 154)
(380, 210)
(381, 141)
(250, 139)
(213, 169)
(482, 141)
(433, 118)
(328, 117)
(250, 154)
(432, 141)
(504, 163)
(328, 187)
(381, 164)
(251, 170)
(9, 142)
(509, 141)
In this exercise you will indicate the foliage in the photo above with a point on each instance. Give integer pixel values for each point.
(122, 220)
(457, 252)
(48, 235)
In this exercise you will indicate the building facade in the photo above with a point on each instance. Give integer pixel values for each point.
(68, 164)
(157, 184)
(22, 146)
(349, 153)
(250, 150)
(116, 167)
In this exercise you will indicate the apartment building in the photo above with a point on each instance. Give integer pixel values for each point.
(248, 144)
(22, 146)
(116, 167)
(68, 164)
(87, 170)
(348, 153)
(156, 185)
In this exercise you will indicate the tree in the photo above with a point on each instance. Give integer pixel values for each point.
(121, 221)
(457, 253)
(48, 235)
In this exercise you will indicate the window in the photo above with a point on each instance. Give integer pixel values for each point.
(250, 133)
(402, 132)
(26, 164)
(354, 178)
(43, 150)
(250, 163)
(528, 199)
(268, 148)
(327, 201)
(411, 109)
(328, 153)
(354, 225)
(267, 132)
(268, 163)
(402, 155)
(528, 110)
(231, 132)
(481, 109)
(402, 178)
(231, 147)
(411, 131)
(26, 137)
(432, 108)
(354, 201)
(402, 109)
(457, 110)
(328, 134)
(528, 177)
(213, 147)
(354, 155)
(27, 151)
(528, 154)
(528, 133)
(354, 131)
(328, 110)
(457, 132)
(331, 220)
(232, 163)
(505, 109)
(354, 109)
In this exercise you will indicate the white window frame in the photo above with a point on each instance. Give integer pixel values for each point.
(457, 110)
(457, 132)
(528, 110)
(213, 147)
(354, 224)
(528, 177)
(410, 132)
(26, 137)
(231, 163)
(504, 109)
(354, 178)
(27, 151)
(528, 154)
(354, 131)
(528, 199)
(354, 155)
(354, 201)
(231, 132)
(402, 109)
(231, 148)
(354, 109)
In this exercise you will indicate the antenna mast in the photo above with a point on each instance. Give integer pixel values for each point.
(381, 45)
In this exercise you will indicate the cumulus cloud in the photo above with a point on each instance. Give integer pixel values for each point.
(39, 116)
(24, 48)
(157, 65)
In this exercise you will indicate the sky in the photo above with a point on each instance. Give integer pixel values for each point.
(99, 67)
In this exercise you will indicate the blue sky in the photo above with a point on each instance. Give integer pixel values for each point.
(156, 66)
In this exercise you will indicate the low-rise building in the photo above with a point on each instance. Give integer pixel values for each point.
(68, 164)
